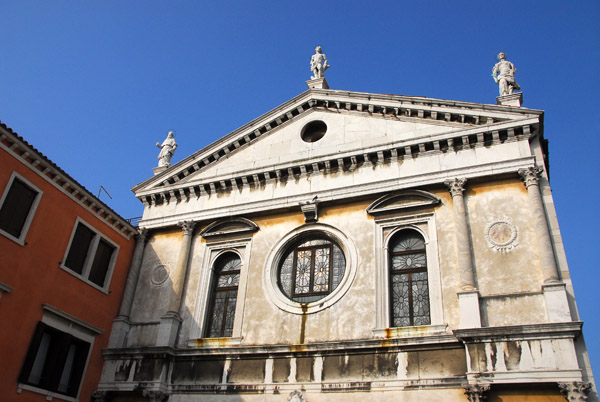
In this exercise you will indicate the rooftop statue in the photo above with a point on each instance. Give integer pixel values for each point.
(318, 64)
(504, 75)
(167, 149)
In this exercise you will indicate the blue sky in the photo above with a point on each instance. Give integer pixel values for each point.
(95, 84)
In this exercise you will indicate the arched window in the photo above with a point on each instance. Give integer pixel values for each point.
(226, 279)
(311, 269)
(409, 289)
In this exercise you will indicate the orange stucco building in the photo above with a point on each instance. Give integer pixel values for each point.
(64, 258)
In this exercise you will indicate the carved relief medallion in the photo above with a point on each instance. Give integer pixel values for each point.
(160, 274)
(501, 234)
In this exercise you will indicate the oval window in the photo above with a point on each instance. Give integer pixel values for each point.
(313, 131)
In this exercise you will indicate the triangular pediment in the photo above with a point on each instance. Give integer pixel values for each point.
(360, 127)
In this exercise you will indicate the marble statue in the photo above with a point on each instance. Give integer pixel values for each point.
(318, 64)
(167, 149)
(504, 75)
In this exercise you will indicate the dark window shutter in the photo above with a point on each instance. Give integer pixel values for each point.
(79, 248)
(32, 352)
(15, 208)
(55, 361)
(78, 366)
(101, 262)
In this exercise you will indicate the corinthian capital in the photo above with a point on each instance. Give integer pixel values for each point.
(476, 392)
(456, 186)
(155, 396)
(99, 396)
(142, 234)
(187, 227)
(575, 391)
(530, 175)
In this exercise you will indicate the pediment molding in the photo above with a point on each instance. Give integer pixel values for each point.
(403, 201)
(471, 138)
(433, 111)
(229, 226)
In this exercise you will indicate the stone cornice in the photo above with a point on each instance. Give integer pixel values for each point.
(349, 161)
(437, 111)
(344, 193)
(44, 167)
(520, 332)
(410, 343)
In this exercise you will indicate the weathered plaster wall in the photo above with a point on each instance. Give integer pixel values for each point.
(350, 318)
(509, 280)
(151, 297)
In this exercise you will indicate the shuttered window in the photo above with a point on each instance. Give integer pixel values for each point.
(55, 361)
(90, 255)
(17, 207)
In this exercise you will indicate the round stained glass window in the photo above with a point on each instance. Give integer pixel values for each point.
(311, 269)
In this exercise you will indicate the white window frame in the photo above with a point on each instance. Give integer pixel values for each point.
(204, 295)
(89, 257)
(424, 224)
(71, 325)
(21, 239)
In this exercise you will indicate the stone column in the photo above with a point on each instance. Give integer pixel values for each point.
(121, 323)
(463, 240)
(531, 178)
(134, 273)
(468, 297)
(575, 391)
(170, 322)
(555, 293)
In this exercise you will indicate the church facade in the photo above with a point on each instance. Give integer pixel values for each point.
(353, 246)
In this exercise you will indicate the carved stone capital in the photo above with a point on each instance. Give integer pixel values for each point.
(187, 227)
(99, 396)
(575, 391)
(476, 392)
(142, 235)
(456, 186)
(155, 396)
(530, 175)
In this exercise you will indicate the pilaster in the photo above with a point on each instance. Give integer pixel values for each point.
(171, 321)
(530, 177)
(121, 323)
(468, 297)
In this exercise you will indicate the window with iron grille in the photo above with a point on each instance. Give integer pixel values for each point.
(409, 288)
(224, 295)
(311, 269)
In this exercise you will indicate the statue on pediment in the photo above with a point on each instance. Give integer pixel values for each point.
(318, 64)
(167, 149)
(504, 75)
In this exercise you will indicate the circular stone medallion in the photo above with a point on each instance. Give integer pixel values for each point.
(501, 235)
(159, 275)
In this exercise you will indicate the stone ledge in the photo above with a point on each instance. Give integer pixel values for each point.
(517, 332)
